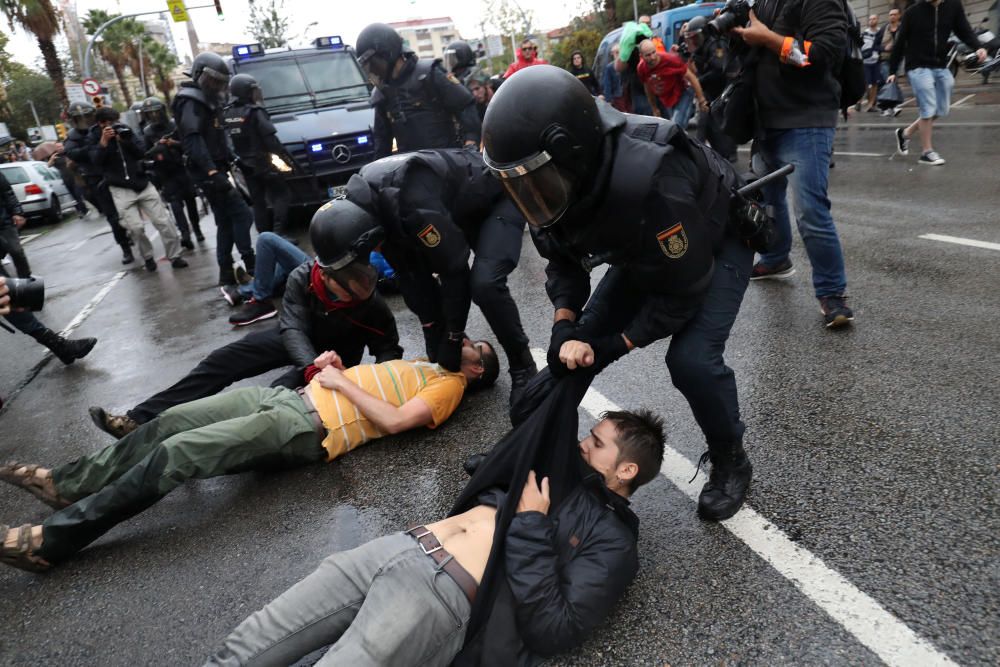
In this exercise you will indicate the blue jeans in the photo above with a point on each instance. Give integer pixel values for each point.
(276, 258)
(809, 149)
(383, 604)
(684, 109)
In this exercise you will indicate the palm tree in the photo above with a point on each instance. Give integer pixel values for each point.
(112, 47)
(163, 64)
(134, 33)
(41, 19)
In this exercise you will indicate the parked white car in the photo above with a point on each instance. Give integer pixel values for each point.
(40, 189)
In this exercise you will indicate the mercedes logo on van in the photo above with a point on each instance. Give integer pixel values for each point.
(341, 153)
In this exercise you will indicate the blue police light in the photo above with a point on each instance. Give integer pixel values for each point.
(242, 51)
(316, 148)
(330, 42)
(363, 139)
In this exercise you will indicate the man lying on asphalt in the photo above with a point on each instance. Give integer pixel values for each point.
(407, 598)
(330, 304)
(252, 428)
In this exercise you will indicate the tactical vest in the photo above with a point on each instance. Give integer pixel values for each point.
(417, 115)
(246, 143)
(210, 127)
(153, 133)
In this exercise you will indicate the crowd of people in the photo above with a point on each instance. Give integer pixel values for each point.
(599, 175)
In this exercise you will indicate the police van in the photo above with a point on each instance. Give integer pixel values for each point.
(317, 97)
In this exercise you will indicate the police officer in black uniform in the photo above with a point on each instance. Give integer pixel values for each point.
(256, 139)
(436, 207)
(599, 186)
(168, 172)
(460, 60)
(77, 148)
(716, 67)
(198, 114)
(416, 101)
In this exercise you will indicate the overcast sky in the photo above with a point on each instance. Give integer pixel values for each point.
(333, 17)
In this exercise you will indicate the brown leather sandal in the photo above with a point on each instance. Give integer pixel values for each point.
(20, 554)
(27, 478)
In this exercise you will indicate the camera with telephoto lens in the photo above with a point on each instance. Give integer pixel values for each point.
(26, 293)
(683, 51)
(122, 130)
(735, 13)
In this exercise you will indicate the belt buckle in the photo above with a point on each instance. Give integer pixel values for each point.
(439, 547)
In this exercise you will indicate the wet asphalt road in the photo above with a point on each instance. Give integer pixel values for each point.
(875, 449)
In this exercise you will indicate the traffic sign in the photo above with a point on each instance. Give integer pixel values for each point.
(177, 10)
(90, 86)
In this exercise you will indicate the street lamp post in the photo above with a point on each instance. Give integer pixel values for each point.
(34, 113)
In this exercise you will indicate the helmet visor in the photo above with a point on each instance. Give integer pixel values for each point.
(213, 83)
(539, 187)
(450, 60)
(358, 278)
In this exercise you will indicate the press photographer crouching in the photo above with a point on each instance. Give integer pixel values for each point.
(118, 152)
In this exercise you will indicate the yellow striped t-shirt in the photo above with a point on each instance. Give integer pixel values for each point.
(396, 382)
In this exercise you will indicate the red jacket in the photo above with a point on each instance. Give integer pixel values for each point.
(520, 63)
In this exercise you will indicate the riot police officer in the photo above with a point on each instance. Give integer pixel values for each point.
(416, 101)
(167, 170)
(716, 67)
(436, 207)
(197, 113)
(255, 141)
(77, 148)
(460, 60)
(597, 186)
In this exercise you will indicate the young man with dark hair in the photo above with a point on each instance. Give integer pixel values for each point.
(253, 428)
(388, 603)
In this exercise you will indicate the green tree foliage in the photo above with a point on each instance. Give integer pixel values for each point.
(586, 40)
(113, 44)
(22, 84)
(267, 23)
(163, 63)
(41, 19)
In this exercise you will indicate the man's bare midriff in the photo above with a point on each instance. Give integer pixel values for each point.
(468, 537)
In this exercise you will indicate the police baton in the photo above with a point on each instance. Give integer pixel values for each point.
(754, 186)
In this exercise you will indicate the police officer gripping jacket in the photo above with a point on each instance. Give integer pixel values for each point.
(415, 100)
(599, 186)
(197, 113)
(255, 140)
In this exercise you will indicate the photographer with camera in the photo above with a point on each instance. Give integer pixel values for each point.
(798, 49)
(715, 66)
(119, 151)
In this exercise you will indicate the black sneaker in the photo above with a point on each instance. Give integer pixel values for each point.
(902, 142)
(127, 256)
(151, 264)
(253, 311)
(179, 263)
(836, 314)
(762, 271)
(231, 294)
(931, 158)
(727, 486)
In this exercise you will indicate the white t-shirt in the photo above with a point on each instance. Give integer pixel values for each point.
(868, 46)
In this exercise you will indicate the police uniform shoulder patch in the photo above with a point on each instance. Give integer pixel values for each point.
(430, 236)
(720, 53)
(451, 77)
(673, 241)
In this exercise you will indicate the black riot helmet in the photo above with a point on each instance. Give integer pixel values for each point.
(245, 89)
(458, 56)
(695, 28)
(542, 137)
(210, 72)
(343, 235)
(378, 49)
(81, 115)
(153, 111)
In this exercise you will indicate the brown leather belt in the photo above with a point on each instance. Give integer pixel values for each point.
(432, 547)
(311, 409)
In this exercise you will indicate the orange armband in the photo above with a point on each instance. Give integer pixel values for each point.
(786, 49)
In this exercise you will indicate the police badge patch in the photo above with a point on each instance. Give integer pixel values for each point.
(673, 241)
(430, 237)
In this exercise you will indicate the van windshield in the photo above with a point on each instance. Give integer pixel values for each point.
(308, 81)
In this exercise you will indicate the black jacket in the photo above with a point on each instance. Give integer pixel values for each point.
(551, 579)
(587, 78)
(923, 34)
(120, 162)
(254, 137)
(420, 109)
(791, 97)
(307, 329)
(77, 148)
(9, 204)
(716, 66)
(201, 132)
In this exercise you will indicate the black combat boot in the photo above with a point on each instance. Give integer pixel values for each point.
(522, 369)
(226, 276)
(727, 484)
(67, 351)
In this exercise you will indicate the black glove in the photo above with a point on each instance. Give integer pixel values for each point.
(608, 349)
(562, 331)
(449, 353)
(218, 183)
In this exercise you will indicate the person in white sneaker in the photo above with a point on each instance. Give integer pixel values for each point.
(923, 41)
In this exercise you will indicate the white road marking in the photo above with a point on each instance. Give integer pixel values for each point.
(960, 241)
(967, 97)
(28, 238)
(836, 154)
(893, 126)
(870, 623)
